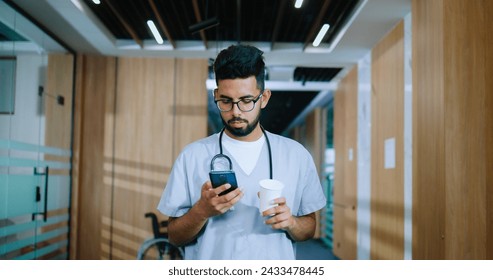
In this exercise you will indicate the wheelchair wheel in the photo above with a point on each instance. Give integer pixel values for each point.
(159, 249)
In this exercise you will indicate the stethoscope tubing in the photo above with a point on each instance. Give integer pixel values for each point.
(230, 164)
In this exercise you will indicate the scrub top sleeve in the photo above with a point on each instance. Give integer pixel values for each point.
(175, 200)
(313, 197)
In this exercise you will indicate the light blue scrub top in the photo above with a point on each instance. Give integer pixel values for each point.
(241, 233)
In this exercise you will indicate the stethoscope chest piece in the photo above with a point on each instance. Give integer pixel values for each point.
(221, 155)
(222, 160)
(223, 176)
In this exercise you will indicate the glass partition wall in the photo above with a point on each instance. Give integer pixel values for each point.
(36, 90)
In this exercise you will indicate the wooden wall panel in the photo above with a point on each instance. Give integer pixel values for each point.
(95, 89)
(316, 143)
(351, 154)
(345, 174)
(387, 184)
(488, 27)
(127, 118)
(339, 144)
(142, 149)
(58, 118)
(452, 216)
(76, 152)
(465, 133)
(58, 133)
(428, 131)
(191, 102)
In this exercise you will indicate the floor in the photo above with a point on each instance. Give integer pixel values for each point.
(314, 249)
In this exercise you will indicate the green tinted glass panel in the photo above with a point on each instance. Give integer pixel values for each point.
(20, 194)
(17, 228)
(23, 162)
(3, 196)
(44, 251)
(16, 145)
(22, 228)
(22, 235)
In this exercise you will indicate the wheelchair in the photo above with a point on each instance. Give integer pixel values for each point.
(158, 247)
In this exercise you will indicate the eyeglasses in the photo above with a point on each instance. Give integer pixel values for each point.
(244, 104)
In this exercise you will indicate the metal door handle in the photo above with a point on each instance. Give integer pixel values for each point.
(45, 210)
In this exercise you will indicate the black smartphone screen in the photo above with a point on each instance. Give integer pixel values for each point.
(219, 178)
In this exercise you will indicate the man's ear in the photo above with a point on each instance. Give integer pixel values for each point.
(265, 98)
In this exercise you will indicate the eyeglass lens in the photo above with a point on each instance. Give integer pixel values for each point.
(245, 105)
(227, 105)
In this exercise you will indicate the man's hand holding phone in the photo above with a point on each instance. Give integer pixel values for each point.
(211, 203)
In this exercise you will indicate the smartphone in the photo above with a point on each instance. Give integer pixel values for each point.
(219, 178)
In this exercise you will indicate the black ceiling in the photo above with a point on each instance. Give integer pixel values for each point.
(310, 74)
(283, 107)
(236, 21)
(271, 21)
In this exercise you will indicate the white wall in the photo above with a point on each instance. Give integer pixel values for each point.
(27, 123)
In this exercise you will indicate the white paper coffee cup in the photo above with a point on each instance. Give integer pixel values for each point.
(270, 189)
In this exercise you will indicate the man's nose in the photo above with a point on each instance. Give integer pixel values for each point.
(236, 109)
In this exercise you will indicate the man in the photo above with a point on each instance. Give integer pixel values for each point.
(206, 223)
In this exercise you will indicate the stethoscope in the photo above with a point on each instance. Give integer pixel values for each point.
(229, 160)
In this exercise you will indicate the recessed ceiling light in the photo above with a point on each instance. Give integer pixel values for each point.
(155, 32)
(321, 34)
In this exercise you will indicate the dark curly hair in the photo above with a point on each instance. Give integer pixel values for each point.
(240, 61)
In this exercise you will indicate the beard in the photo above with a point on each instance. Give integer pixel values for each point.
(241, 132)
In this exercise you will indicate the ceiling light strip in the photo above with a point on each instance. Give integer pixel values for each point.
(155, 32)
(298, 4)
(321, 34)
